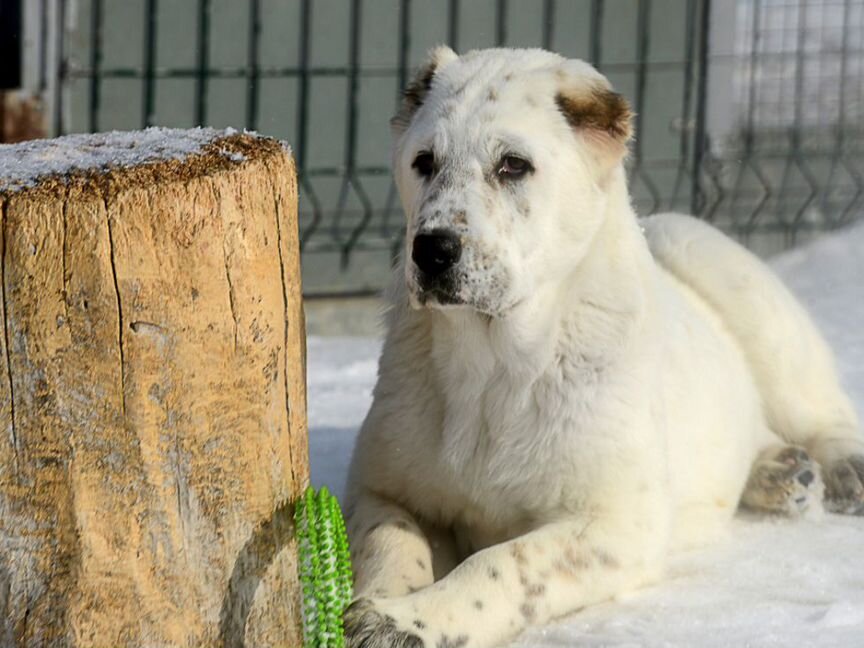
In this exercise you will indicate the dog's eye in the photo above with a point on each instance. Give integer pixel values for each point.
(513, 167)
(424, 163)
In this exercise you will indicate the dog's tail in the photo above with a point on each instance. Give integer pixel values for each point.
(791, 362)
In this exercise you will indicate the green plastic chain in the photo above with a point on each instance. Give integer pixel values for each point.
(325, 568)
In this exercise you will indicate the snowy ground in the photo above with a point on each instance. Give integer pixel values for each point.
(771, 583)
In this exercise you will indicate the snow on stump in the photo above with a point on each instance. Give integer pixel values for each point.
(152, 391)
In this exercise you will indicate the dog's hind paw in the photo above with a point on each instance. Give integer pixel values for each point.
(844, 485)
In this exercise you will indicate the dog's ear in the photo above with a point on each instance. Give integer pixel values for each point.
(596, 112)
(414, 95)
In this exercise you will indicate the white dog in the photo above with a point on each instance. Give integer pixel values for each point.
(565, 396)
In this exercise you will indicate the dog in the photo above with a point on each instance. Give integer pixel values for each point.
(566, 394)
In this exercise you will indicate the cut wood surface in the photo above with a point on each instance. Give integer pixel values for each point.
(152, 391)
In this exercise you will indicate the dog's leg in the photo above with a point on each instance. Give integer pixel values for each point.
(803, 399)
(393, 553)
(784, 479)
(501, 590)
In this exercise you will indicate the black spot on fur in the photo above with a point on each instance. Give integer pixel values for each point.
(373, 528)
(575, 561)
(421, 564)
(517, 550)
(452, 642)
(494, 574)
(419, 624)
(605, 559)
(478, 605)
(528, 611)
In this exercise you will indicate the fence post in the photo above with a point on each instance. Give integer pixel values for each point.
(697, 197)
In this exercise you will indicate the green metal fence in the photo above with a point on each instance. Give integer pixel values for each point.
(326, 75)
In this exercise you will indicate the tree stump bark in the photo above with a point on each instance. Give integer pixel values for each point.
(152, 391)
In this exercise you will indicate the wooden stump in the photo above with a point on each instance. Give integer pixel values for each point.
(152, 391)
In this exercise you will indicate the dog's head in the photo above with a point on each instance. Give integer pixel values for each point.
(502, 159)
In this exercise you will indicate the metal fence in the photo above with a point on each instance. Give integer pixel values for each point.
(794, 160)
(748, 112)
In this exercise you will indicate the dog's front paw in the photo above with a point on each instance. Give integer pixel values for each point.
(844, 485)
(367, 627)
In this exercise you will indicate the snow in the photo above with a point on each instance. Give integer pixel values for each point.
(22, 165)
(341, 374)
(769, 582)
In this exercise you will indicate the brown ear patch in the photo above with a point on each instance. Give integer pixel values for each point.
(599, 109)
(416, 91)
(413, 95)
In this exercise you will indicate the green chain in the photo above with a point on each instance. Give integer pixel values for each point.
(325, 568)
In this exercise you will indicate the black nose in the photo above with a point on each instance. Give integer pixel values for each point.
(436, 252)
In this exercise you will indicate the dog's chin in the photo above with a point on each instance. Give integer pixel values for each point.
(435, 299)
(438, 300)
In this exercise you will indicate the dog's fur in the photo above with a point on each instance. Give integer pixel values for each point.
(585, 393)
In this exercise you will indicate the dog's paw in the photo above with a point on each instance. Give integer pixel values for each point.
(785, 480)
(367, 627)
(844, 485)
